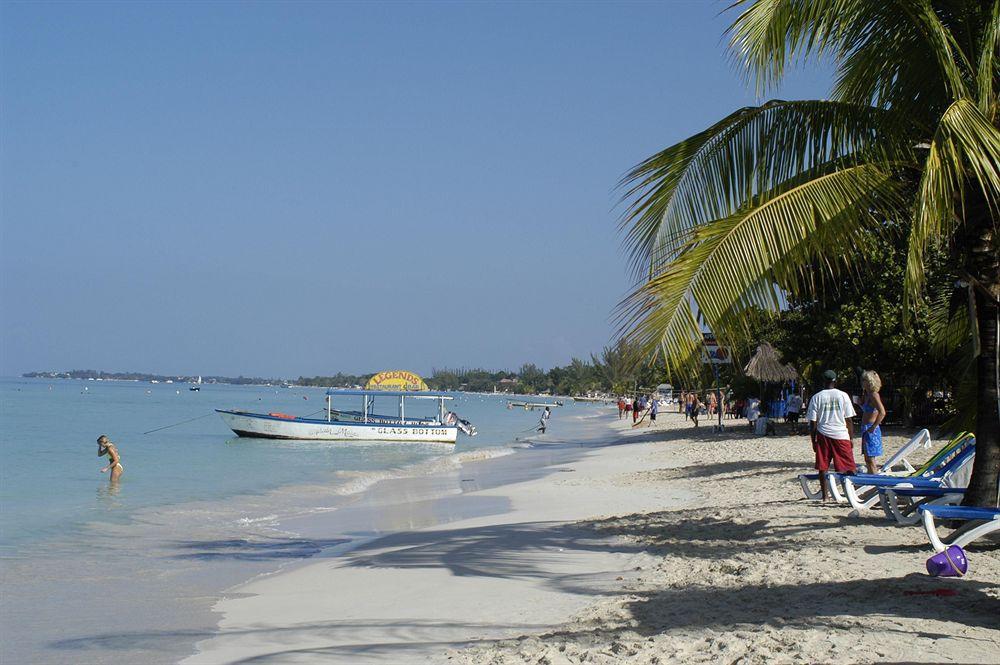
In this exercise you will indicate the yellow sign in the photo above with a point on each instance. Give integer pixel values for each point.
(396, 380)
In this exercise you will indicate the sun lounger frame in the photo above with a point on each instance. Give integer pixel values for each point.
(970, 531)
(897, 465)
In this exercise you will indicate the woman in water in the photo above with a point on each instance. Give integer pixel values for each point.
(872, 415)
(105, 447)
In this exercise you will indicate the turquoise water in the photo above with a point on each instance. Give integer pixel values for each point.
(51, 482)
(94, 573)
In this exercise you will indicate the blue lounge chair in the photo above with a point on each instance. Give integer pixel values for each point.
(863, 490)
(978, 523)
(897, 465)
(902, 504)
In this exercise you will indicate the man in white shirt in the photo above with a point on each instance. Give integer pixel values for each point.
(831, 429)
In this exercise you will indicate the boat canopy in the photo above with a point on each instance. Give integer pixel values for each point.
(413, 394)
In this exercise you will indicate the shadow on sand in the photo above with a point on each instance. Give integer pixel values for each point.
(255, 550)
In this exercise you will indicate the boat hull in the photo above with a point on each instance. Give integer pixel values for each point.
(261, 426)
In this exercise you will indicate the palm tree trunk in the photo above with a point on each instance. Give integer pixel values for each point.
(984, 266)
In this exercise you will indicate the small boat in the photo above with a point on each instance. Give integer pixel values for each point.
(365, 424)
(531, 406)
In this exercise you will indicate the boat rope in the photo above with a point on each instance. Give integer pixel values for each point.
(190, 420)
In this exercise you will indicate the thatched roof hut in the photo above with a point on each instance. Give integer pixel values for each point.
(765, 365)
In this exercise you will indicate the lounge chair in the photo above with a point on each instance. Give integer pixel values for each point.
(902, 504)
(863, 490)
(978, 523)
(897, 465)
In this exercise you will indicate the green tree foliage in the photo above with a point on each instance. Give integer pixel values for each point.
(858, 323)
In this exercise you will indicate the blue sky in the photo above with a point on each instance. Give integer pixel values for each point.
(282, 189)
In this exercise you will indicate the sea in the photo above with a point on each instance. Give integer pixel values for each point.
(93, 572)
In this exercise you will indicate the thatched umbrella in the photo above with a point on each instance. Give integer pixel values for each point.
(766, 366)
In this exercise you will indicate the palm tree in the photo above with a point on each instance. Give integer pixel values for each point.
(766, 202)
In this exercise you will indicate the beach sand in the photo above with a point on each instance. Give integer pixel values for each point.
(664, 545)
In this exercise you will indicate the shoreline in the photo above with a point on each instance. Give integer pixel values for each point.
(514, 506)
(159, 566)
(658, 545)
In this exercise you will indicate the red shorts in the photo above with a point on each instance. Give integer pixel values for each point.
(839, 451)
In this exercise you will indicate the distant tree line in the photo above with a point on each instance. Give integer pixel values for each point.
(141, 376)
(611, 372)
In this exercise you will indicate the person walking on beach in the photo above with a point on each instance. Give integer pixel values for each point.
(105, 447)
(653, 408)
(621, 407)
(872, 415)
(792, 409)
(753, 412)
(696, 405)
(831, 429)
(636, 407)
(544, 420)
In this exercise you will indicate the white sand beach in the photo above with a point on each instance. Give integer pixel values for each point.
(665, 545)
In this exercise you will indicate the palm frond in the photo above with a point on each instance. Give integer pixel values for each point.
(736, 262)
(889, 52)
(769, 35)
(950, 321)
(952, 327)
(965, 146)
(989, 68)
(714, 173)
(942, 44)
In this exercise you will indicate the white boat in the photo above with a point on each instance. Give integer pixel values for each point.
(531, 406)
(363, 425)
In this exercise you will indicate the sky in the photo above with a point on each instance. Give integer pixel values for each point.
(286, 189)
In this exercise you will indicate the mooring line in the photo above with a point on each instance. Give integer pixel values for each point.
(191, 420)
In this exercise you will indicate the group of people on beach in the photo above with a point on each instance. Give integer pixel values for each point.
(639, 408)
(829, 413)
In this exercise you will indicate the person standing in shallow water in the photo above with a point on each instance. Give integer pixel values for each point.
(543, 422)
(872, 415)
(105, 447)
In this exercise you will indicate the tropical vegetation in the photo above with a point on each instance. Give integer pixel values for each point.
(766, 206)
(609, 372)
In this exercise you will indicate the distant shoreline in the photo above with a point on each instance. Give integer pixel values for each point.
(137, 377)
